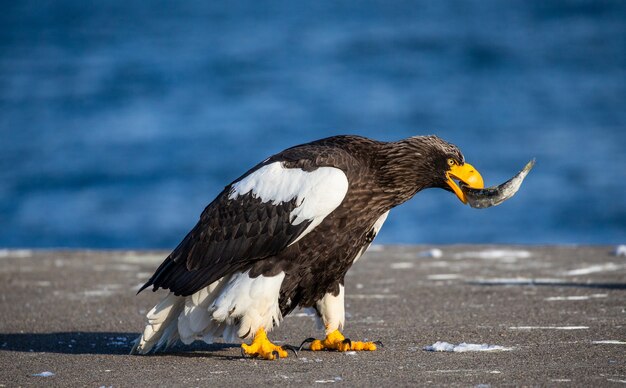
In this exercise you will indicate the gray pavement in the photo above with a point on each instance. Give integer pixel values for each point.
(560, 310)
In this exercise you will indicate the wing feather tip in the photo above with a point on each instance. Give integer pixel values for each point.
(148, 284)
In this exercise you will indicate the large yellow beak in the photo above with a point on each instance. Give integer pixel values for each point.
(467, 174)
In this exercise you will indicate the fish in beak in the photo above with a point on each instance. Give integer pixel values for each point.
(495, 195)
(465, 173)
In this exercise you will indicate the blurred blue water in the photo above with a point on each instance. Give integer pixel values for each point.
(121, 120)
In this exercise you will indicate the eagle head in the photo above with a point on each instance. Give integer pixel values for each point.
(434, 162)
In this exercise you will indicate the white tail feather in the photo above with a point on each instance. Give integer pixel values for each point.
(159, 319)
(249, 303)
(232, 307)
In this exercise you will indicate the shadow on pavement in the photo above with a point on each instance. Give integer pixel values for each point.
(513, 282)
(88, 343)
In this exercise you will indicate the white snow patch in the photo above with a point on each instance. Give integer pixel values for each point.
(401, 265)
(44, 374)
(561, 380)
(444, 276)
(123, 267)
(593, 269)
(335, 380)
(441, 346)
(350, 353)
(19, 253)
(142, 258)
(434, 253)
(104, 290)
(372, 296)
(620, 250)
(576, 297)
(98, 293)
(614, 342)
(549, 327)
(495, 254)
(30, 283)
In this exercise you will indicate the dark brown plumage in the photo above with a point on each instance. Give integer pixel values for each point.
(284, 235)
(246, 234)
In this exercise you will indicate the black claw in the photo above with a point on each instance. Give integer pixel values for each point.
(275, 354)
(347, 341)
(306, 341)
(243, 354)
(379, 343)
(292, 348)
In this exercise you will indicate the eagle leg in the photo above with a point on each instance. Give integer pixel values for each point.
(336, 341)
(262, 347)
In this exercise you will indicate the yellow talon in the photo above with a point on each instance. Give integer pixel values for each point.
(336, 341)
(262, 347)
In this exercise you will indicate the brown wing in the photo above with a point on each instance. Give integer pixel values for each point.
(231, 235)
(234, 233)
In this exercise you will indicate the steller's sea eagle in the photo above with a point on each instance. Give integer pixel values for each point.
(284, 234)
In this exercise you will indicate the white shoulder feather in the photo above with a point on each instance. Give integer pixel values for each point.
(317, 192)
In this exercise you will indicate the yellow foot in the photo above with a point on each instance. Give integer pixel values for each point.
(336, 341)
(262, 347)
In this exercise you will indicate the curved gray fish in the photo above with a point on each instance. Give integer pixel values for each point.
(495, 195)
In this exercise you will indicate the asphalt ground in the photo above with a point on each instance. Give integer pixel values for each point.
(561, 312)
